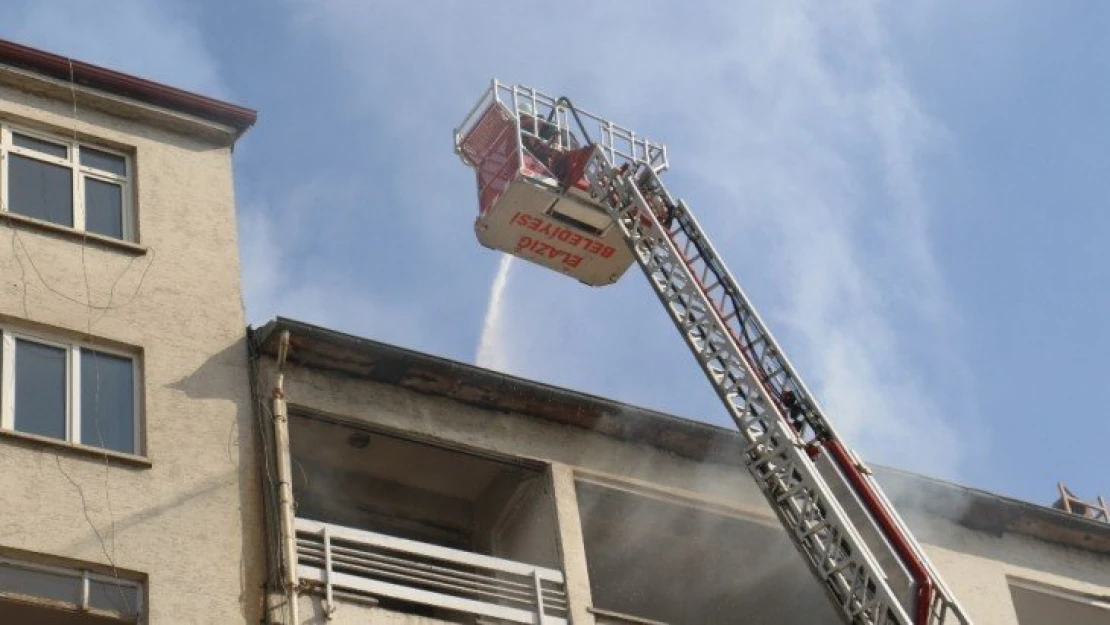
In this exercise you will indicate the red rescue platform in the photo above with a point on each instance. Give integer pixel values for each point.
(529, 151)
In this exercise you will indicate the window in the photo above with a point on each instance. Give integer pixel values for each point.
(66, 182)
(34, 593)
(68, 391)
(1041, 604)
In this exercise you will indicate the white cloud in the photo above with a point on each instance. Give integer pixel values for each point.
(793, 135)
(262, 262)
(157, 40)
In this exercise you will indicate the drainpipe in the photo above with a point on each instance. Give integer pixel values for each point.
(285, 483)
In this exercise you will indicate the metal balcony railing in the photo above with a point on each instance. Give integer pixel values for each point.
(376, 565)
(609, 617)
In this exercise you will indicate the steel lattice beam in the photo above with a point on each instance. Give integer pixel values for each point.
(715, 319)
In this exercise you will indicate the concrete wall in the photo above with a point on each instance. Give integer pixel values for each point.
(189, 519)
(977, 565)
(514, 435)
(525, 530)
(974, 564)
(351, 612)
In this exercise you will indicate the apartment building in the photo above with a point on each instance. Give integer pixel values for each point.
(127, 464)
(432, 491)
(160, 465)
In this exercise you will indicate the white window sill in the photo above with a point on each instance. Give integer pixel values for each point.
(22, 221)
(85, 450)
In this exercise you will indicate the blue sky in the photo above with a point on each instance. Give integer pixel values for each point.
(913, 195)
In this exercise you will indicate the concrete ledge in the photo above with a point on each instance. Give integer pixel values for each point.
(15, 220)
(95, 453)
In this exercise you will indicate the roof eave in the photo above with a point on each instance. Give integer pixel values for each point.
(236, 117)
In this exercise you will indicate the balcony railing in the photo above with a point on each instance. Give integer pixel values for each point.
(376, 565)
(609, 617)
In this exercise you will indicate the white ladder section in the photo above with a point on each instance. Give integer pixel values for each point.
(873, 571)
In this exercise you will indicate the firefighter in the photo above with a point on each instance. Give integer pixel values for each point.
(794, 410)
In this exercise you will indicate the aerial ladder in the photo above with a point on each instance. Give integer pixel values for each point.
(578, 194)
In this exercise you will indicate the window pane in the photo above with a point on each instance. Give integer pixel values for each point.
(103, 207)
(38, 145)
(108, 595)
(107, 401)
(40, 190)
(103, 161)
(40, 389)
(42, 584)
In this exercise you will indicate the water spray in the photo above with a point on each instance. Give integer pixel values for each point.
(491, 348)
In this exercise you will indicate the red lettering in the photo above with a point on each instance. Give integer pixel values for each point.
(539, 249)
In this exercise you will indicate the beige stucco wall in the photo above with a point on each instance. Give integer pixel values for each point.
(977, 565)
(191, 520)
(974, 564)
(347, 612)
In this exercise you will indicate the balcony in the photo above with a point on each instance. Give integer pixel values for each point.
(355, 562)
(386, 522)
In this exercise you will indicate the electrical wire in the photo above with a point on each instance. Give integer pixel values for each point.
(92, 525)
(88, 304)
(96, 360)
(17, 245)
(22, 268)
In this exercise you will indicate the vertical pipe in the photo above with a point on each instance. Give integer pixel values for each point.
(539, 595)
(329, 603)
(285, 483)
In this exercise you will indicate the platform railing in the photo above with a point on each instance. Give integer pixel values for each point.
(620, 144)
(333, 557)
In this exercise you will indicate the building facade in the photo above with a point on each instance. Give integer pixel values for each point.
(431, 491)
(127, 464)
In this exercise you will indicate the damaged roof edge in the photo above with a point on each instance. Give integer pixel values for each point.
(329, 350)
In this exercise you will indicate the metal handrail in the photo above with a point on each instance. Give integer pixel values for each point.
(620, 144)
(379, 565)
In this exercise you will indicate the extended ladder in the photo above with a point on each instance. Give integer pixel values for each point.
(855, 544)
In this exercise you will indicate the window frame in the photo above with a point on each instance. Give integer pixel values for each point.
(1058, 592)
(78, 174)
(73, 399)
(83, 576)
